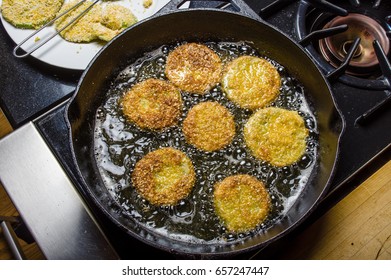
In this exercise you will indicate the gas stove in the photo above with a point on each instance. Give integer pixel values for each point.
(348, 40)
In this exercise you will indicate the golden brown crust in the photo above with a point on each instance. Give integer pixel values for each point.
(251, 82)
(209, 126)
(194, 68)
(153, 104)
(276, 135)
(242, 202)
(164, 176)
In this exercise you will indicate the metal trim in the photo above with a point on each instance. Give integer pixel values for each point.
(50, 206)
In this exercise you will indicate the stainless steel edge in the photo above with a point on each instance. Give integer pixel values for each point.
(12, 240)
(49, 204)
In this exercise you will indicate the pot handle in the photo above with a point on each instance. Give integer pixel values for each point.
(239, 5)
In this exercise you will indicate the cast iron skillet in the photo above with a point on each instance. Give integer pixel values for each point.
(172, 25)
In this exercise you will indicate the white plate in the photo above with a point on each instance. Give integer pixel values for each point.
(61, 53)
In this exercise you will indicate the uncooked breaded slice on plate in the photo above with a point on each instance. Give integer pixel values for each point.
(29, 14)
(99, 23)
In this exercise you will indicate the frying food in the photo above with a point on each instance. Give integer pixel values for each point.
(29, 14)
(276, 135)
(99, 23)
(242, 202)
(194, 68)
(251, 82)
(153, 104)
(164, 176)
(163, 194)
(209, 126)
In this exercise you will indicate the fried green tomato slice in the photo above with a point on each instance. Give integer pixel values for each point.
(153, 104)
(251, 82)
(209, 126)
(99, 23)
(29, 14)
(241, 202)
(276, 135)
(164, 176)
(194, 68)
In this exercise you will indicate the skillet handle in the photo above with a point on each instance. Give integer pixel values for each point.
(239, 6)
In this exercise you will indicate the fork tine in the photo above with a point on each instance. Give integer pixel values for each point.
(27, 53)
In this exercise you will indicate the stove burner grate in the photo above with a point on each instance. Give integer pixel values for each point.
(329, 38)
(336, 48)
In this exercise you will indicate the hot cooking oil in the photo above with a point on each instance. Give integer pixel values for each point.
(120, 144)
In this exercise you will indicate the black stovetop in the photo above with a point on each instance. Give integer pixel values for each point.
(30, 89)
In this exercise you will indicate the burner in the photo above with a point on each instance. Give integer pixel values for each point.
(335, 48)
(365, 21)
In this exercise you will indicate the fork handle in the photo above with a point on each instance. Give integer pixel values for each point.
(18, 48)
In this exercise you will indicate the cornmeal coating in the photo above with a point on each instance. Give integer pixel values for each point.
(153, 104)
(147, 3)
(276, 135)
(251, 82)
(209, 126)
(164, 176)
(117, 17)
(194, 68)
(242, 202)
(99, 23)
(29, 14)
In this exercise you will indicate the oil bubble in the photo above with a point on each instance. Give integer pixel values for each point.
(184, 208)
(305, 161)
